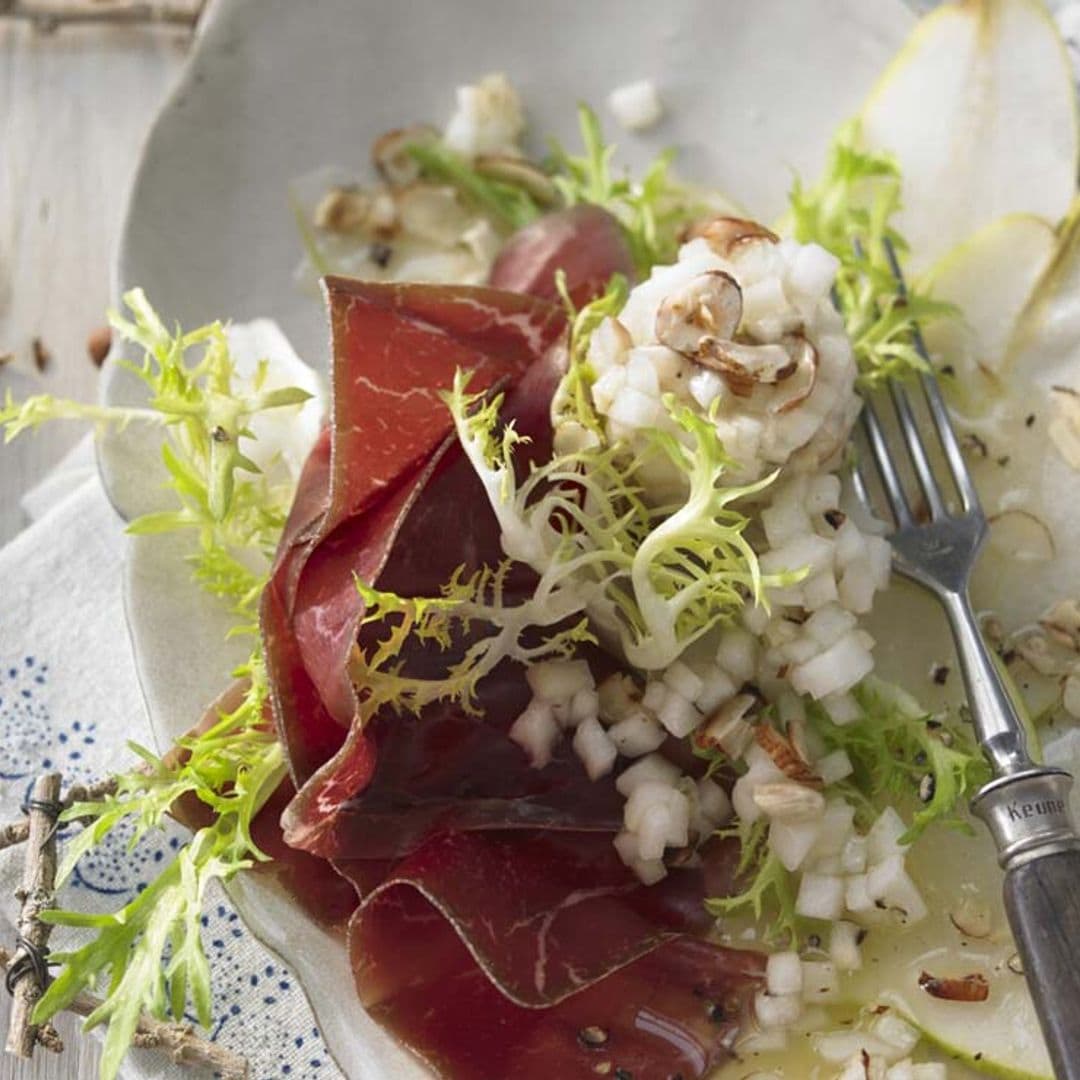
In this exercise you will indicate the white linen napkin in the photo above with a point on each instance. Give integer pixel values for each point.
(70, 700)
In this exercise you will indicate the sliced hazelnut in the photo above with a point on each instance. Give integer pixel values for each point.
(972, 987)
(725, 234)
(785, 756)
(802, 384)
(746, 366)
(786, 800)
(1046, 655)
(343, 210)
(390, 153)
(706, 310)
(1062, 623)
(971, 918)
(728, 728)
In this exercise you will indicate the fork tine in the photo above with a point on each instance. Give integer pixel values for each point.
(969, 497)
(890, 478)
(860, 487)
(917, 449)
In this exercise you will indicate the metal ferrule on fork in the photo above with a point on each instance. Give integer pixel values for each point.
(1028, 814)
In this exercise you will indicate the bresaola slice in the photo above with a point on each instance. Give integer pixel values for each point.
(584, 242)
(670, 1009)
(545, 912)
(444, 770)
(673, 1012)
(396, 348)
(496, 920)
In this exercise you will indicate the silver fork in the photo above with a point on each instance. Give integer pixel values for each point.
(1026, 806)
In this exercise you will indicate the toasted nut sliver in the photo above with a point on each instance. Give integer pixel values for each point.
(973, 987)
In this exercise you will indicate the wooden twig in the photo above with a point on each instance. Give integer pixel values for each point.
(177, 1041)
(15, 832)
(36, 895)
(181, 1045)
(48, 18)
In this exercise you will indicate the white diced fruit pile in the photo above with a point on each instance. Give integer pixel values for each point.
(742, 330)
(844, 874)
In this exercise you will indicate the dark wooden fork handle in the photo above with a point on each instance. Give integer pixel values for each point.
(1028, 816)
(1042, 898)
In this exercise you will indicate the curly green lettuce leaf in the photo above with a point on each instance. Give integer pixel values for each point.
(149, 955)
(769, 893)
(656, 578)
(894, 747)
(471, 612)
(849, 212)
(206, 409)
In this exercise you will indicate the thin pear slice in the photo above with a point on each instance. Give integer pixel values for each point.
(990, 278)
(1028, 488)
(966, 932)
(980, 110)
(961, 883)
(1046, 342)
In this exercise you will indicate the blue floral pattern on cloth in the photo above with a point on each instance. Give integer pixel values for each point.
(259, 1009)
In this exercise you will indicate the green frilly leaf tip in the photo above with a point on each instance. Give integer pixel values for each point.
(473, 613)
(894, 745)
(148, 955)
(849, 212)
(232, 769)
(652, 210)
(769, 893)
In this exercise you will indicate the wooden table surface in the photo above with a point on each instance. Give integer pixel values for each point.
(75, 107)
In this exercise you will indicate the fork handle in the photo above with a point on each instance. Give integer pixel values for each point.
(1042, 898)
(1028, 815)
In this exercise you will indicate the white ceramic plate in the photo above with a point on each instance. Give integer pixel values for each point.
(276, 88)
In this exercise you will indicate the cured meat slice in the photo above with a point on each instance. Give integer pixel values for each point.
(672, 1011)
(396, 348)
(585, 242)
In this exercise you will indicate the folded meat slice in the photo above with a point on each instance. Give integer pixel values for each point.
(545, 913)
(446, 769)
(672, 1012)
(396, 348)
(584, 242)
(496, 922)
